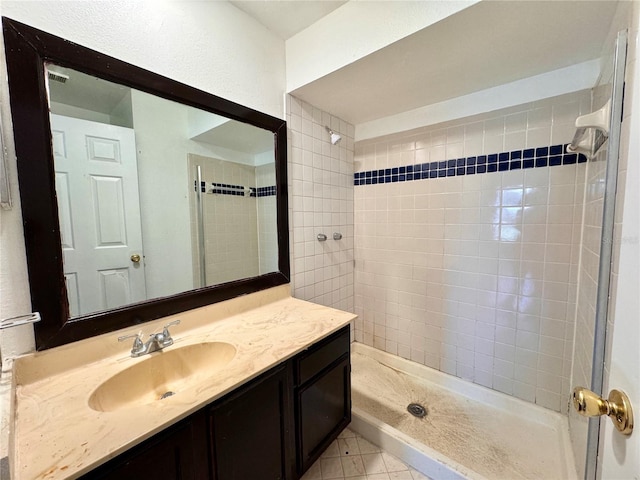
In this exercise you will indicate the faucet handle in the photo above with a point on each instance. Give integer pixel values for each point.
(137, 343)
(175, 322)
(167, 340)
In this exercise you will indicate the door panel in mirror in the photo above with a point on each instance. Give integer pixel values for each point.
(99, 211)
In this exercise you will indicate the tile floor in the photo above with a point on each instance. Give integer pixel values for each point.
(354, 458)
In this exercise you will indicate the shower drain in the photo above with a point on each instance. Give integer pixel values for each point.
(417, 410)
(166, 395)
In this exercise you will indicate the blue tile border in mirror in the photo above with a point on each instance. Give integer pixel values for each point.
(236, 190)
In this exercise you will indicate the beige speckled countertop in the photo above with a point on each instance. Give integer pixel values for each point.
(57, 435)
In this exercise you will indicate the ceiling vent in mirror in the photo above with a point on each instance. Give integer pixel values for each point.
(58, 77)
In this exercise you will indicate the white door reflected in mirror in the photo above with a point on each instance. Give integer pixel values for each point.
(99, 211)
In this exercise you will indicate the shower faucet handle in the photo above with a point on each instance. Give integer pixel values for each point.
(322, 237)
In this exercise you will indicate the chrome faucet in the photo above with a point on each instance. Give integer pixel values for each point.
(157, 341)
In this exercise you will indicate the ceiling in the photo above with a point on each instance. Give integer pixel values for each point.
(97, 95)
(85, 91)
(488, 44)
(286, 18)
(239, 137)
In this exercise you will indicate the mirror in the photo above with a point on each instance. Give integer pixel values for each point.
(141, 197)
(133, 224)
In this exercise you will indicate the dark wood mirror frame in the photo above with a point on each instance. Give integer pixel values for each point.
(27, 49)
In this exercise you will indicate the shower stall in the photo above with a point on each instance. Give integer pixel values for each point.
(488, 258)
(481, 243)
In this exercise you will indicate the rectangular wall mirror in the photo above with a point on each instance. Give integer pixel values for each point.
(141, 197)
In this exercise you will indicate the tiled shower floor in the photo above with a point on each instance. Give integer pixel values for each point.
(486, 434)
(352, 457)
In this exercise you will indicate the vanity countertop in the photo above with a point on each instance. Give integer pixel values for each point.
(57, 435)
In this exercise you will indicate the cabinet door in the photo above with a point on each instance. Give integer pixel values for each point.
(251, 431)
(324, 410)
(178, 453)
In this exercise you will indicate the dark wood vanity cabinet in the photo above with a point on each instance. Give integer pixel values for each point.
(323, 396)
(251, 430)
(181, 452)
(272, 428)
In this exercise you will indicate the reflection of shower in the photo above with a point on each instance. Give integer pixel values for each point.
(335, 138)
(231, 189)
(200, 226)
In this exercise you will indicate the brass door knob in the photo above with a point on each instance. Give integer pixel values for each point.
(617, 407)
(135, 258)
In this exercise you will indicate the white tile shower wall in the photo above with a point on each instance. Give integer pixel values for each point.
(475, 275)
(320, 201)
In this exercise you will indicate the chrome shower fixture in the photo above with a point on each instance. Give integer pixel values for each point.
(335, 138)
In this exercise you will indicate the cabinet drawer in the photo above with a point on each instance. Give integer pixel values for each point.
(320, 356)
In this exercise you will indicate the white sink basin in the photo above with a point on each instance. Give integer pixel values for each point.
(161, 375)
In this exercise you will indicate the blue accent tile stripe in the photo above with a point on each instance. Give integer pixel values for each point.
(226, 189)
(496, 162)
(236, 190)
(263, 191)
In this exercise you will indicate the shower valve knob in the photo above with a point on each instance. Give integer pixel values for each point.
(322, 237)
(617, 407)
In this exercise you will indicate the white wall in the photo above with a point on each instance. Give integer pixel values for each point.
(81, 113)
(162, 149)
(210, 45)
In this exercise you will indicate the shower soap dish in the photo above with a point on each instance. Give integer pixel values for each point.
(592, 131)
